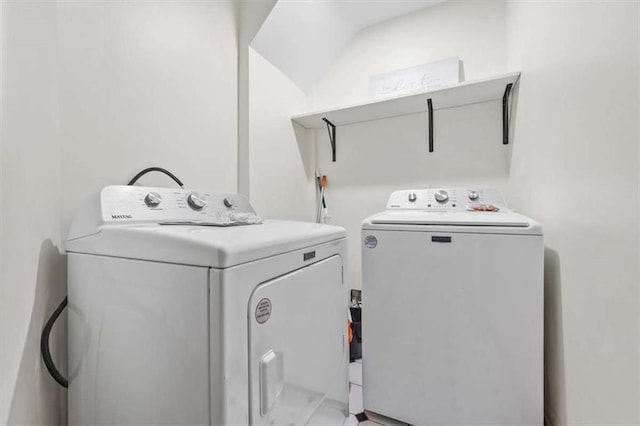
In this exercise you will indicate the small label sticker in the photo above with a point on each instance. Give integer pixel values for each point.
(263, 310)
(370, 241)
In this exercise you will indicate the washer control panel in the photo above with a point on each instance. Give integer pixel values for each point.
(443, 199)
(140, 204)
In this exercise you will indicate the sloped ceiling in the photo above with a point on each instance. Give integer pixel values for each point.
(302, 38)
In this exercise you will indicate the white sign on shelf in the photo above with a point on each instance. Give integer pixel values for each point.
(419, 78)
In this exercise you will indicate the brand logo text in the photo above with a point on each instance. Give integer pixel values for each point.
(121, 216)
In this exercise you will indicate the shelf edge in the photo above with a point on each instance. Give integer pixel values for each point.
(316, 116)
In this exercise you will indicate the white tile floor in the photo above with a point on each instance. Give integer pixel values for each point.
(355, 400)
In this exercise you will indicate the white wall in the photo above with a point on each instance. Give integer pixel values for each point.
(147, 83)
(32, 276)
(377, 157)
(322, 29)
(575, 169)
(276, 169)
(251, 15)
(472, 30)
(281, 158)
(92, 92)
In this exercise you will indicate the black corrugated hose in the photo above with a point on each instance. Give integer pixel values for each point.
(44, 346)
(46, 331)
(155, 169)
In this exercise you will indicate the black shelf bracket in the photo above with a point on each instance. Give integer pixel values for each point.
(430, 110)
(331, 128)
(505, 114)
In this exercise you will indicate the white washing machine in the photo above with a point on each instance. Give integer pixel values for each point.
(453, 310)
(176, 318)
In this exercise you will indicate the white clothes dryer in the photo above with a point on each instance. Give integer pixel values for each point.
(181, 315)
(453, 310)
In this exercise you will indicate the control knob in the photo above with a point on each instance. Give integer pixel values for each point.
(153, 199)
(412, 197)
(441, 196)
(196, 201)
(228, 202)
(473, 195)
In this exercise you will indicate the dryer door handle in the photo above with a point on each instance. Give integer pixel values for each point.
(271, 380)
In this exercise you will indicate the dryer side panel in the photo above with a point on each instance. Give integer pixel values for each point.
(138, 342)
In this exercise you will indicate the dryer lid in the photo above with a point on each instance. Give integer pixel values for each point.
(118, 222)
(216, 247)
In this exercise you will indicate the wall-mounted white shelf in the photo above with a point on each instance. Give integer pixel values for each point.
(470, 92)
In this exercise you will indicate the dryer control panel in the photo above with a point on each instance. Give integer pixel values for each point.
(444, 199)
(138, 203)
(123, 204)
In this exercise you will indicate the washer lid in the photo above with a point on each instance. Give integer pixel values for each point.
(460, 221)
(453, 218)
